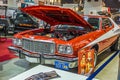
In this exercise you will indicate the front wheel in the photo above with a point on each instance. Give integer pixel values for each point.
(87, 63)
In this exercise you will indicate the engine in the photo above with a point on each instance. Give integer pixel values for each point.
(61, 34)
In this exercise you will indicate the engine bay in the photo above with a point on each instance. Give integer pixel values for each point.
(63, 32)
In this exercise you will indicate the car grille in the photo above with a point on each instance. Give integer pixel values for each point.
(38, 46)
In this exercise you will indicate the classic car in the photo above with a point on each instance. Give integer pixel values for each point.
(68, 40)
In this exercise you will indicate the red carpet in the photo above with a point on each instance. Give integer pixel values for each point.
(5, 54)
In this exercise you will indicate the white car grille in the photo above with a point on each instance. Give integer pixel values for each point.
(38, 46)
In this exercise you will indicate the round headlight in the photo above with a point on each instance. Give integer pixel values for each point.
(68, 49)
(14, 41)
(19, 42)
(61, 48)
(65, 49)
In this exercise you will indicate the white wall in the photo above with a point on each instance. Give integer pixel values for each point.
(1, 2)
(12, 3)
(92, 6)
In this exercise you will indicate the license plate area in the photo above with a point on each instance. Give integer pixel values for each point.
(61, 65)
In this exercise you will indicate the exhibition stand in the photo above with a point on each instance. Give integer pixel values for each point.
(64, 75)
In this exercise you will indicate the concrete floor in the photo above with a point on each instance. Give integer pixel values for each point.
(110, 72)
(16, 66)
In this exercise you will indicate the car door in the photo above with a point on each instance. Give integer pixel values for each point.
(101, 32)
(96, 22)
(107, 26)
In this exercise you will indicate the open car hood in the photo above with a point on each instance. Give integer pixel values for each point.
(56, 15)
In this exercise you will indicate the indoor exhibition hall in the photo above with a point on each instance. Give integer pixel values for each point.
(59, 39)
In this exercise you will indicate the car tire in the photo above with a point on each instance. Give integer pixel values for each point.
(116, 45)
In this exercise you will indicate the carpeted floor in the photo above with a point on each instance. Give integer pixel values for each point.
(5, 54)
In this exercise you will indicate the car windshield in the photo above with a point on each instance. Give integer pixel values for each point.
(92, 21)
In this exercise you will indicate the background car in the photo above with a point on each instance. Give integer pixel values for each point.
(22, 22)
(14, 21)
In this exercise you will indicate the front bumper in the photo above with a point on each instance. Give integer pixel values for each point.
(43, 58)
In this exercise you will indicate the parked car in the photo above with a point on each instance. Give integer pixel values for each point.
(23, 22)
(16, 21)
(68, 39)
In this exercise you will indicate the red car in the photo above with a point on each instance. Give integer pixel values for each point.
(68, 39)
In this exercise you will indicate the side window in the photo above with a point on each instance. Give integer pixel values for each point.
(106, 23)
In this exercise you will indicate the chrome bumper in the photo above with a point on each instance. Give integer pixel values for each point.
(44, 59)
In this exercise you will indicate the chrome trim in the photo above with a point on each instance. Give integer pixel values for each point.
(64, 45)
(60, 58)
(44, 59)
(38, 40)
(33, 46)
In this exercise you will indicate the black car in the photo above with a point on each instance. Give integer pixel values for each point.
(24, 22)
